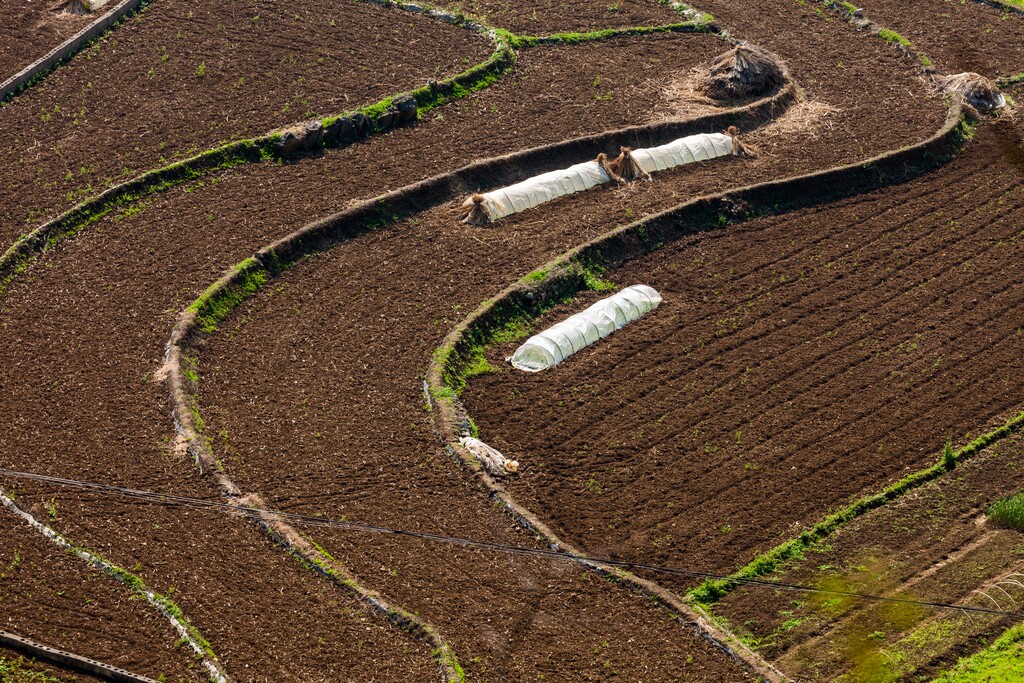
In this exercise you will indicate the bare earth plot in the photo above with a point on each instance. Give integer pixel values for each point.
(315, 390)
(543, 17)
(29, 30)
(795, 363)
(53, 597)
(183, 76)
(784, 341)
(935, 544)
(957, 36)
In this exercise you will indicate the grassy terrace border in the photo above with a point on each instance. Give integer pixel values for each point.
(247, 277)
(188, 632)
(580, 269)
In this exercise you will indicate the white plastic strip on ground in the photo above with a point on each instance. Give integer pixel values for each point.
(683, 151)
(579, 177)
(558, 342)
(543, 188)
(213, 669)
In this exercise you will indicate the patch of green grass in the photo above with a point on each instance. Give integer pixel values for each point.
(1001, 662)
(20, 671)
(1008, 512)
(220, 299)
(893, 37)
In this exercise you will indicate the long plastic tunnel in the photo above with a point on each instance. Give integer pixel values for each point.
(558, 342)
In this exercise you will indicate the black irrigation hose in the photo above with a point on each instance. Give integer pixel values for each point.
(308, 520)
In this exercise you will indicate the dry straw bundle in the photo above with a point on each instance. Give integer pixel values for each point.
(975, 89)
(744, 71)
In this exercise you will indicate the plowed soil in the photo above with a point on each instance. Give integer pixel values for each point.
(57, 599)
(934, 544)
(544, 17)
(107, 419)
(183, 76)
(795, 362)
(29, 30)
(316, 387)
(312, 390)
(968, 36)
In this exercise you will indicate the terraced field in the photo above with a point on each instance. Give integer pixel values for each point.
(821, 337)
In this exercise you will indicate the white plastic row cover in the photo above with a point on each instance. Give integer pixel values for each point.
(543, 188)
(558, 342)
(579, 177)
(683, 151)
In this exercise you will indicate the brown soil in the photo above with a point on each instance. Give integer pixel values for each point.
(53, 597)
(934, 544)
(107, 420)
(355, 329)
(136, 99)
(968, 36)
(29, 30)
(544, 17)
(795, 362)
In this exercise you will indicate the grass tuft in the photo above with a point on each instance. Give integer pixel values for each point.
(1008, 512)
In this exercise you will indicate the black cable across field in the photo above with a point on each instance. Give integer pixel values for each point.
(311, 521)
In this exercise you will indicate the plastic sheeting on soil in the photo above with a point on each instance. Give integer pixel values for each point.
(558, 342)
(579, 177)
(492, 460)
(683, 151)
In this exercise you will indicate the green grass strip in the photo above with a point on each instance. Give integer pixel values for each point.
(710, 591)
(1001, 662)
(610, 33)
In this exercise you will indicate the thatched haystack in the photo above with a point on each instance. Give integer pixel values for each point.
(975, 89)
(744, 71)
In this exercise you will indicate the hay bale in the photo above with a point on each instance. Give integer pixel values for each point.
(744, 71)
(975, 89)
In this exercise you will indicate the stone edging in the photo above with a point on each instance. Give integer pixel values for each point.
(69, 47)
(569, 272)
(172, 612)
(71, 661)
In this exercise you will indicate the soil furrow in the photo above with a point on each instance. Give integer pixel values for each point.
(756, 332)
(691, 471)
